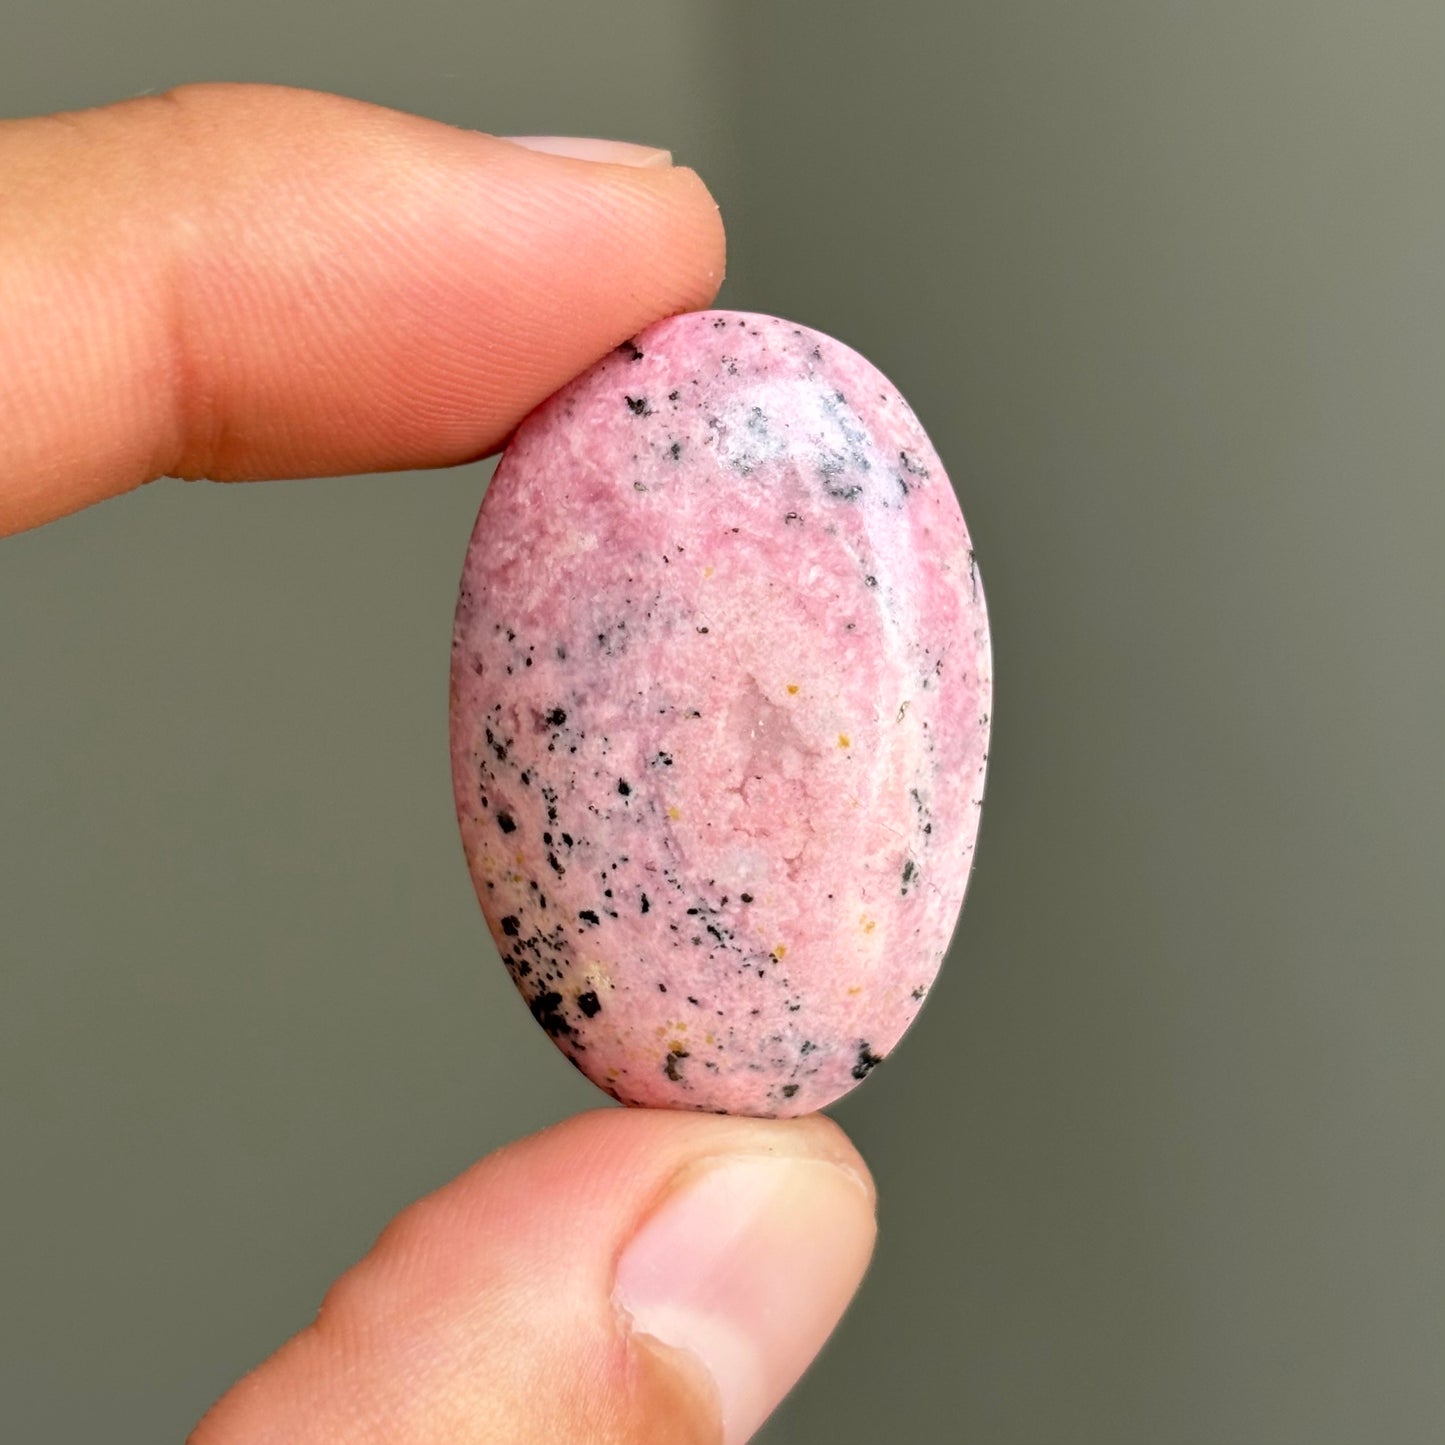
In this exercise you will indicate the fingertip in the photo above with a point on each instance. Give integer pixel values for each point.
(242, 281)
(746, 1266)
(627, 1275)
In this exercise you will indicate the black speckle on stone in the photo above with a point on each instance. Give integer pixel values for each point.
(624, 787)
(646, 906)
(547, 1010)
(589, 1003)
(675, 1055)
(561, 652)
(557, 717)
(673, 395)
(746, 897)
(675, 451)
(638, 406)
(792, 519)
(788, 1090)
(511, 926)
(505, 821)
(588, 916)
(631, 351)
(918, 993)
(867, 1060)
(909, 869)
(555, 866)
(662, 988)
(870, 580)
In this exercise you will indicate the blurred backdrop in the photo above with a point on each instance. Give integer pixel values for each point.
(1162, 1161)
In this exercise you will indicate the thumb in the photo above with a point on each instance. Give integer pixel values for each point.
(629, 1276)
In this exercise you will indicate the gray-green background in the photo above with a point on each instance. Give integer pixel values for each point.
(1163, 1161)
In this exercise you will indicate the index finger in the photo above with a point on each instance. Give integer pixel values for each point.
(235, 281)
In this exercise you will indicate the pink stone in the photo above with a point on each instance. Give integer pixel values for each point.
(721, 683)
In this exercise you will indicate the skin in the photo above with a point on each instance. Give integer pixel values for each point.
(238, 282)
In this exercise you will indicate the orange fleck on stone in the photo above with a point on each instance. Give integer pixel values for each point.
(674, 813)
(855, 990)
(780, 950)
(792, 688)
(844, 741)
(869, 924)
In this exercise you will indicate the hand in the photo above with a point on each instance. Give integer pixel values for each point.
(240, 282)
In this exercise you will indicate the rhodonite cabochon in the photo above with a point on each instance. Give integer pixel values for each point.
(720, 693)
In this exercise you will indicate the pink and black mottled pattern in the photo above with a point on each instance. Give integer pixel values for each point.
(721, 684)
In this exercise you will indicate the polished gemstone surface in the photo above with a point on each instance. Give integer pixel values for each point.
(721, 684)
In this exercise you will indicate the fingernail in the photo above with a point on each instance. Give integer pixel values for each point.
(584, 148)
(749, 1263)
